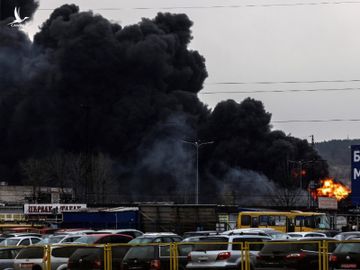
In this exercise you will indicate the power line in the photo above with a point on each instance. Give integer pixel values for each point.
(225, 6)
(284, 82)
(279, 91)
(316, 120)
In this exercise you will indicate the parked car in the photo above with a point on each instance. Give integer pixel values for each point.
(132, 232)
(294, 254)
(156, 238)
(86, 258)
(20, 241)
(345, 256)
(305, 234)
(223, 251)
(7, 257)
(153, 257)
(103, 239)
(34, 258)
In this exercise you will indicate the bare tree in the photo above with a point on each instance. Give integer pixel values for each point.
(103, 180)
(288, 197)
(36, 173)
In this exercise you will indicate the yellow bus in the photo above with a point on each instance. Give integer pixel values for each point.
(293, 221)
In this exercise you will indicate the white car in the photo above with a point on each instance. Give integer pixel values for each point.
(297, 235)
(20, 241)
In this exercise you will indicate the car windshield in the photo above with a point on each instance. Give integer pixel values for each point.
(278, 247)
(145, 252)
(348, 247)
(87, 239)
(55, 239)
(141, 240)
(211, 243)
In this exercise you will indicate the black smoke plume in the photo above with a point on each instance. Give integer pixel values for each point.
(86, 86)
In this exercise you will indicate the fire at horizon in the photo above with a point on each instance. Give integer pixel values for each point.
(333, 189)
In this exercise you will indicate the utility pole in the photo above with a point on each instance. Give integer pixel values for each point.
(197, 145)
(312, 141)
(88, 154)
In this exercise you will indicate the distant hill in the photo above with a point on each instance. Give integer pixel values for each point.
(337, 154)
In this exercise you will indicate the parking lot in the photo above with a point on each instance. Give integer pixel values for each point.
(129, 249)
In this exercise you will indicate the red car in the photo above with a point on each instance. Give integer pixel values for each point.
(103, 239)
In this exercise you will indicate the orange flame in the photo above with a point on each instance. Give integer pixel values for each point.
(333, 190)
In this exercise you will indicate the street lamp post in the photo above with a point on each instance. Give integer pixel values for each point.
(300, 163)
(197, 145)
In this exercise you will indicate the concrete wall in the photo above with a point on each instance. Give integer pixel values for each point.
(25, 194)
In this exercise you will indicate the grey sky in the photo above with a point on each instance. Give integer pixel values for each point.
(251, 41)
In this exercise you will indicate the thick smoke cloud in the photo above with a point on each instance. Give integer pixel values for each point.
(87, 86)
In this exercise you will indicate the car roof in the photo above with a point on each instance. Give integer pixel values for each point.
(316, 238)
(159, 233)
(237, 236)
(22, 237)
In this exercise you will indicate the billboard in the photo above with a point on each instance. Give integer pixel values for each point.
(45, 209)
(355, 174)
(327, 203)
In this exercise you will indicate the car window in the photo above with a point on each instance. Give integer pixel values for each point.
(165, 251)
(6, 254)
(104, 240)
(63, 252)
(314, 235)
(25, 242)
(143, 252)
(245, 220)
(55, 239)
(211, 243)
(167, 240)
(137, 234)
(255, 247)
(348, 247)
(12, 242)
(310, 246)
(157, 240)
(35, 240)
(185, 249)
(176, 239)
(141, 240)
(118, 239)
(31, 253)
(278, 247)
(87, 239)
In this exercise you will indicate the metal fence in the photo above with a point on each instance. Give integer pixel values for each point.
(173, 256)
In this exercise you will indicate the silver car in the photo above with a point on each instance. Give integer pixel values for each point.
(20, 241)
(34, 257)
(223, 251)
